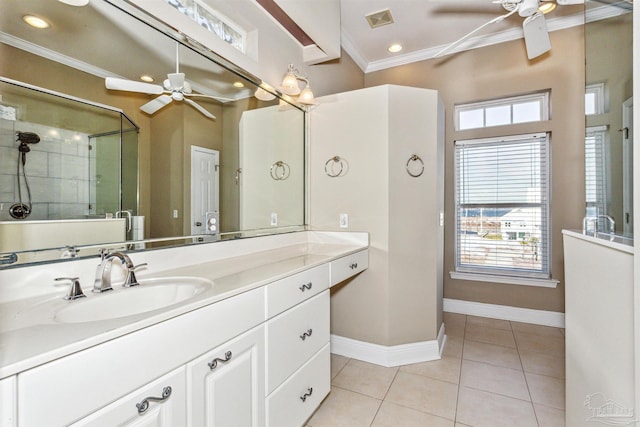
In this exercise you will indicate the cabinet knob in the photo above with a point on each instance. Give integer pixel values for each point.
(353, 266)
(307, 394)
(214, 363)
(306, 334)
(306, 286)
(144, 405)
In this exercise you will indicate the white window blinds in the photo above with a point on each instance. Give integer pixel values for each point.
(596, 171)
(502, 206)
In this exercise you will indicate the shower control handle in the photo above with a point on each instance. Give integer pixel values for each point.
(75, 291)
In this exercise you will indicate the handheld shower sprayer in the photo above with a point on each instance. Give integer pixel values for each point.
(22, 210)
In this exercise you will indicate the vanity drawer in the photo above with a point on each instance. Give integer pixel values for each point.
(350, 265)
(286, 293)
(294, 336)
(294, 401)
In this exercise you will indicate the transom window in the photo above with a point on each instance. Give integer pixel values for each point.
(212, 20)
(503, 111)
(502, 206)
(594, 99)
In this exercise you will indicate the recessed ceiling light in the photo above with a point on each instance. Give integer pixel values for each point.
(238, 84)
(75, 2)
(35, 22)
(396, 47)
(547, 7)
(146, 78)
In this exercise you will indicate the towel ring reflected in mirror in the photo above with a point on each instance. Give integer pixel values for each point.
(336, 166)
(415, 158)
(280, 171)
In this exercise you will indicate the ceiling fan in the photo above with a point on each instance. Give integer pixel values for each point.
(175, 88)
(536, 35)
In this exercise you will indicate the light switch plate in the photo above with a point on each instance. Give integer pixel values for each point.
(344, 220)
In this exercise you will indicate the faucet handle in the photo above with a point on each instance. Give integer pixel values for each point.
(75, 291)
(131, 279)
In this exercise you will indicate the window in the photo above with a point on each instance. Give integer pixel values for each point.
(594, 99)
(504, 111)
(213, 21)
(502, 206)
(596, 150)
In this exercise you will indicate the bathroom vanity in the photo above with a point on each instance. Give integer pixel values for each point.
(238, 335)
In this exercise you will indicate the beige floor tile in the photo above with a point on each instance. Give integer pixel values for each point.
(549, 417)
(494, 379)
(453, 317)
(543, 364)
(537, 329)
(492, 354)
(365, 378)
(392, 415)
(344, 408)
(479, 409)
(424, 394)
(488, 322)
(337, 363)
(489, 335)
(446, 369)
(545, 390)
(551, 345)
(453, 347)
(454, 329)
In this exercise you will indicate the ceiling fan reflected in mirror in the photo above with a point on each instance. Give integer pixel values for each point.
(536, 35)
(175, 88)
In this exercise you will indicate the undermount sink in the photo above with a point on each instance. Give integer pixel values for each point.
(151, 294)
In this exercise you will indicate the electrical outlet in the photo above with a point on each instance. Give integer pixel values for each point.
(344, 220)
(175, 213)
(274, 218)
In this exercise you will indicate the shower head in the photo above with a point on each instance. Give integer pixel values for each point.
(27, 137)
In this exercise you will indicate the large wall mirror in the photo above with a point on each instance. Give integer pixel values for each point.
(609, 115)
(84, 167)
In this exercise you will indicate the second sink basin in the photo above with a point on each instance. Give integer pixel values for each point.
(151, 294)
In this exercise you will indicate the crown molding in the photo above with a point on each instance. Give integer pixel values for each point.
(352, 50)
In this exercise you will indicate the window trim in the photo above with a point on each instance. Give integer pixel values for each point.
(543, 97)
(490, 274)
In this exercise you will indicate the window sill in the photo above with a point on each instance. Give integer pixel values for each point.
(522, 281)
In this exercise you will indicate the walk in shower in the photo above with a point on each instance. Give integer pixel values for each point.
(83, 166)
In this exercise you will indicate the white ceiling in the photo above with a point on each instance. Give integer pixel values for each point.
(424, 27)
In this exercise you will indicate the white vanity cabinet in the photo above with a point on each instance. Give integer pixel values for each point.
(226, 384)
(159, 403)
(8, 402)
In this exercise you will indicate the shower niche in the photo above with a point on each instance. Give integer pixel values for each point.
(63, 161)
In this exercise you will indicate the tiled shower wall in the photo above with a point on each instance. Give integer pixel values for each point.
(58, 170)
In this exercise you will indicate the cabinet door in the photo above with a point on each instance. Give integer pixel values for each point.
(8, 402)
(161, 403)
(226, 385)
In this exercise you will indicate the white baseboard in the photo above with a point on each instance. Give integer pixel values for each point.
(389, 356)
(505, 312)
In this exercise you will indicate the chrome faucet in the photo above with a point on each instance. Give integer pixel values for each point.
(612, 222)
(103, 273)
(594, 220)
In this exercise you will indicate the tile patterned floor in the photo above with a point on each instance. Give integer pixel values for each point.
(493, 373)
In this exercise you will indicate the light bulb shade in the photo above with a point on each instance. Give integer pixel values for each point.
(290, 84)
(263, 95)
(528, 8)
(306, 96)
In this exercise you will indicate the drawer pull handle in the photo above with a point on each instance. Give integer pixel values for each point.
(307, 394)
(306, 286)
(353, 266)
(214, 363)
(306, 334)
(144, 405)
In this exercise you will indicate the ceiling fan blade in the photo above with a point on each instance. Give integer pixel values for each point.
(199, 95)
(200, 108)
(468, 35)
(176, 80)
(567, 2)
(132, 86)
(156, 104)
(536, 36)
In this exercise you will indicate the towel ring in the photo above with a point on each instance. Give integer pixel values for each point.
(280, 171)
(330, 167)
(415, 158)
